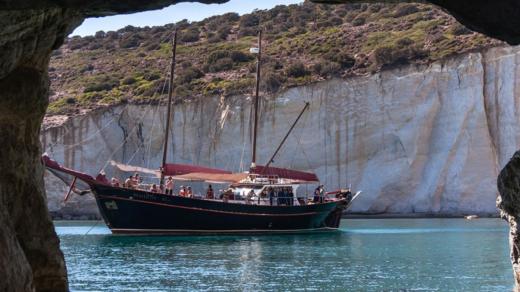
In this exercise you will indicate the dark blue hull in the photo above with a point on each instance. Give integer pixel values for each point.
(129, 211)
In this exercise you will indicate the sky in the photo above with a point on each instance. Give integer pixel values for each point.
(174, 13)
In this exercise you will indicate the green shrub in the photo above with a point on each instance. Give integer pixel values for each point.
(235, 56)
(399, 54)
(129, 41)
(296, 70)
(182, 91)
(374, 8)
(247, 31)
(249, 20)
(271, 81)
(340, 57)
(150, 76)
(128, 80)
(238, 56)
(221, 65)
(216, 55)
(70, 100)
(405, 9)
(336, 21)
(230, 17)
(190, 36)
(359, 20)
(189, 74)
(327, 69)
(460, 29)
(101, 83)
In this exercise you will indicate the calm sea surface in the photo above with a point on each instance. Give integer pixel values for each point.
(366, 255)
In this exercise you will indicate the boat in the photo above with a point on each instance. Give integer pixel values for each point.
(263, 200)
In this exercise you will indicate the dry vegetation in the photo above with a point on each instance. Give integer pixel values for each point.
(303, 43)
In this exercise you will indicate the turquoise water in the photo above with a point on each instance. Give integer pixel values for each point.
(366, 255)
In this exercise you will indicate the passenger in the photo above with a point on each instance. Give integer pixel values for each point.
(249, 196)
(115, 182)
(229, 194)
(271, 195)
(317, 193)
(189, 193)
(169, 186)
(101, 177)
(322, 194)
(290, 196)
(182, 191)
(263, 194)
(280, 197)
(209, 193)
(136, 181)
(348, 195)
(129, 182)
(154, 188)
(225, 197)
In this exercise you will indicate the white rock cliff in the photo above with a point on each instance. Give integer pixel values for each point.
(414, 140)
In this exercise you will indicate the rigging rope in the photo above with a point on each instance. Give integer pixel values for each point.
(139, 120)
(70, 146)
(159, 104)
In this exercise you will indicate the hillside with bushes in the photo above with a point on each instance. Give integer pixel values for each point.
(302, 43)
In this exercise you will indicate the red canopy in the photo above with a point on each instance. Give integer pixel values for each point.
(180, 169)
(285, 173)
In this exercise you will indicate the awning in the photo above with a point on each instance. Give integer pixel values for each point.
(212, 177)
(307, 177)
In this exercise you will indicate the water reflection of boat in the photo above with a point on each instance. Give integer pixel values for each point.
(262, 200)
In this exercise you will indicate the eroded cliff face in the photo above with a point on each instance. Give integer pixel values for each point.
(414, 140)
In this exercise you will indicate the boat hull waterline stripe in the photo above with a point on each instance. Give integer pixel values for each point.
(207, 210)
(194, 231)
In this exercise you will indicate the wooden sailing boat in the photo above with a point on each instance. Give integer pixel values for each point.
(262, 200)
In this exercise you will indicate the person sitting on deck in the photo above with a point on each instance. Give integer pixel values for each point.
(101, 177)
(227, 195)
(182, 191)
(129, 182)
(154, 188)
(249, 197)
(136, 180)
(189, 192)
(115, 182)
(169, 186)
(209, 193)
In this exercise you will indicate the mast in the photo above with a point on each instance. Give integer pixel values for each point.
(287, 135)
(168, 113)
(255, 103)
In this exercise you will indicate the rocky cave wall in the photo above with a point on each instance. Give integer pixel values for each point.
(414, 140)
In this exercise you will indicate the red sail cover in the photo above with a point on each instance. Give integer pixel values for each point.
(180, 169)
(285, 173)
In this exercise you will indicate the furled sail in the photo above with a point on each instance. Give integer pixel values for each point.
(212, 177)
(174, 169)
(297, 175)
